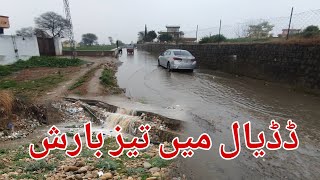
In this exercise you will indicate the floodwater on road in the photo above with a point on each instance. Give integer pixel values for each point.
(213, 101)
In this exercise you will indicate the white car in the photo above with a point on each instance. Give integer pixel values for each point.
(177, 59)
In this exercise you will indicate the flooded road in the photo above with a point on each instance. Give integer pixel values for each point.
(213, 101)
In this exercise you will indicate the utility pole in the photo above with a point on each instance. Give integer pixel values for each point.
(71, 35)
(290, 24)
(219, 32)
(197, 33)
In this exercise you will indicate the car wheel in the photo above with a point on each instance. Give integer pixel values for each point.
(158, 62)
(168, 67)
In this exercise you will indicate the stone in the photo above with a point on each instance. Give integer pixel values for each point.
(106, 176)
(80, 164)
(130, 178)
(151, 154)
(70, 168)
(13, 173)
(83, 170)
(154, 169)
(152, 178)
(156, 174)
(147, 165)
(164, 169)
(78, 177)
(70, 177)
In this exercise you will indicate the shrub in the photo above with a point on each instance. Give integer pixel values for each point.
(158, 162)
(165, 38)
(107, 78)
(107, 164)
(311, 31)
(135, 171)
(35, 166)
(213, 39)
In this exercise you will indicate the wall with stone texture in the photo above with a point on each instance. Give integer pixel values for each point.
(293, 64)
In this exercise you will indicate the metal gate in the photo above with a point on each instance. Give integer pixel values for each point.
(46, 47)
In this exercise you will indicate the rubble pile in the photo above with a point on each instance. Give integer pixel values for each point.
(22, 120)
(72, 111)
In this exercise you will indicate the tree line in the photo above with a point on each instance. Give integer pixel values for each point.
(51, 24)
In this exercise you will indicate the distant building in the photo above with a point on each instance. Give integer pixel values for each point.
(66, 44)
(292, 32)
(175, 32)
(4, 23)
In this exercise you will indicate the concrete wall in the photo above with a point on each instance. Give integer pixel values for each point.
(26, 48)
(58, 46)
(297, 65)
(99, 53)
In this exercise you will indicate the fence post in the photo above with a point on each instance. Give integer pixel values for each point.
(219, 33)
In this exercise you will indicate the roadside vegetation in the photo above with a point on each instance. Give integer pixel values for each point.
(84, 79)
(32, 88)
(261, 33)
(108, 78)
(40, 82)
(109, 82)
(213, 39)
(33, 62)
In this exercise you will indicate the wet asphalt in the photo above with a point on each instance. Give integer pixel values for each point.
(213, 101)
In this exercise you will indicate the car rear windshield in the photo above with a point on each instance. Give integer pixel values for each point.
(181, 53)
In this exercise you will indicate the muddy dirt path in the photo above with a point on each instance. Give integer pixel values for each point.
(92, 86)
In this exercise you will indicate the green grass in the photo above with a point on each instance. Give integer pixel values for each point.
(6, 70)
(21, 155)
(158, 162)
(35, 166)
(93, 48)
(135, 171)
(27, 176)
(38, 84)
(107, 78)
(107, 164)
(83, 79)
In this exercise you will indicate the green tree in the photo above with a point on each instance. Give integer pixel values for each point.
(260, 31)
(165, 38)
(311, 31)
(213, 39)
(151, 35)
(53, 24)
(89, 39)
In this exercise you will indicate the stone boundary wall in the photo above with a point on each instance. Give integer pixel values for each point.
(111, 53)
(297, 65)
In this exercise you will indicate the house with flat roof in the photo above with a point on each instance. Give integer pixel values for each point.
(175, 32)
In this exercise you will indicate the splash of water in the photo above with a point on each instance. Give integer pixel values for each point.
(127, 122)
(126, 111)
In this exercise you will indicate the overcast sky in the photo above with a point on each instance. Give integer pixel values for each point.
(122, 19)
